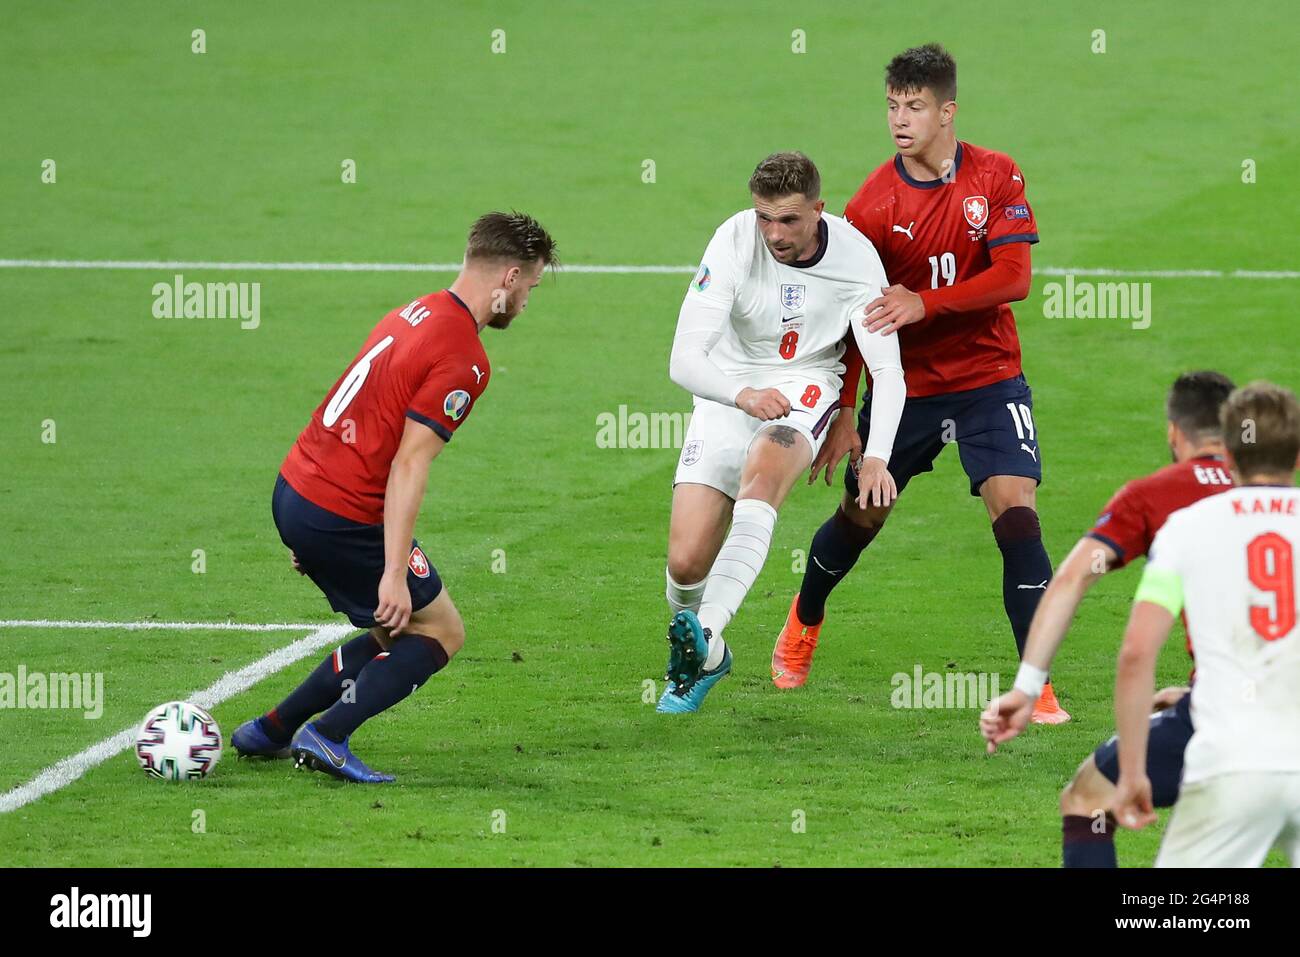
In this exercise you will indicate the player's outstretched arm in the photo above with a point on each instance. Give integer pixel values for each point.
(1009, 715)
(407, 479)
(1148, 627)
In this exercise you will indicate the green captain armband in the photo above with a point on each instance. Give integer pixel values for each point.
(1162, 587)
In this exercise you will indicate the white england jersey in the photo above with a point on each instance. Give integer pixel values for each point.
(785, 319)
(1231, 562)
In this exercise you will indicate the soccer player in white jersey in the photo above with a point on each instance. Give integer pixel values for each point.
(1229, 564)
(759, 342)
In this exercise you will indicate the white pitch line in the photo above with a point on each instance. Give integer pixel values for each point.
(148, 264)
(64, 772)
(173, 266)
(157, 625)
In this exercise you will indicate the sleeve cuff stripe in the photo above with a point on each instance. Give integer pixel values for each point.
(1111, 542)
(1030, 238)
(443, 432)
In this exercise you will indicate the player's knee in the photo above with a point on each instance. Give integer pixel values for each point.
(448, 631)
(452, 637)
(761, 486)
(452, 630)
(441, 621)
(686, 566)
(1087, 792)
(869, 519)
(1001, 494)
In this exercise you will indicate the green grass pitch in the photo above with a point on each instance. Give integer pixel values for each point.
(537, 747)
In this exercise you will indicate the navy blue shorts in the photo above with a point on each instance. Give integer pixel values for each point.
(345, 558)
(1170, 731)
(993, 427)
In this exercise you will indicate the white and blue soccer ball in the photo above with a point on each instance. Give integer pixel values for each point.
(178, 741)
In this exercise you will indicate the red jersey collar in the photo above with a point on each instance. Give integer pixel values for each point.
(461, 302)
(911, 180)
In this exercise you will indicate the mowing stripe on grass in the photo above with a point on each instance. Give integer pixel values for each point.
(170, 265)
(64, 772)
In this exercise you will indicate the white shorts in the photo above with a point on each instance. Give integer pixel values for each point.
(719, 436)
(1233, 820)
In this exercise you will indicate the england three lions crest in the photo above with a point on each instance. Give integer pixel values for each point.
(792, 296)
(976, 210)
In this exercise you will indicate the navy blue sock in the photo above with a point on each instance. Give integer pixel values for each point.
(1026, 569)
(834, 551)
(1084, 846)
(322, 687)
(388, 679)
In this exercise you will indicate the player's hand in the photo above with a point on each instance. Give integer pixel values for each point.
(394, 611)
(1168, 697)
(293, 560)
(841, 439)
(898, 307)
(763, 404)
(1005, 718)
(1132, 803)
(875, 484)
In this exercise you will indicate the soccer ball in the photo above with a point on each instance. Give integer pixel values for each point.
(178, 741)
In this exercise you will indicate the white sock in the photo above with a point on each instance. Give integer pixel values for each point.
(683, 597)
(735, 569)
(717, 648)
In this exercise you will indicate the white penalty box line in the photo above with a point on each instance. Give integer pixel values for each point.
(62, 773)
(180, 265)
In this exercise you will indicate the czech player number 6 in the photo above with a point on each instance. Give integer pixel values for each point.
(352, 383)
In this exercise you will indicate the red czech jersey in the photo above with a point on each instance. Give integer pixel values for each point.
(1135, 513)
(423, 362)
(932, 233)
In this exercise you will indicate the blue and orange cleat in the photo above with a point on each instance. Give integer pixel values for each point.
(251, 740)
(313, 750)
(792, 657)
(688, 683)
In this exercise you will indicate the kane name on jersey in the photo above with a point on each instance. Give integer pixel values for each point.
(1230, 562)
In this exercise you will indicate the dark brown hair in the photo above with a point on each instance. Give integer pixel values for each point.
(1194, 402)
(927, 66)
(513, 236)
(783, 174)
(1261, 428)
